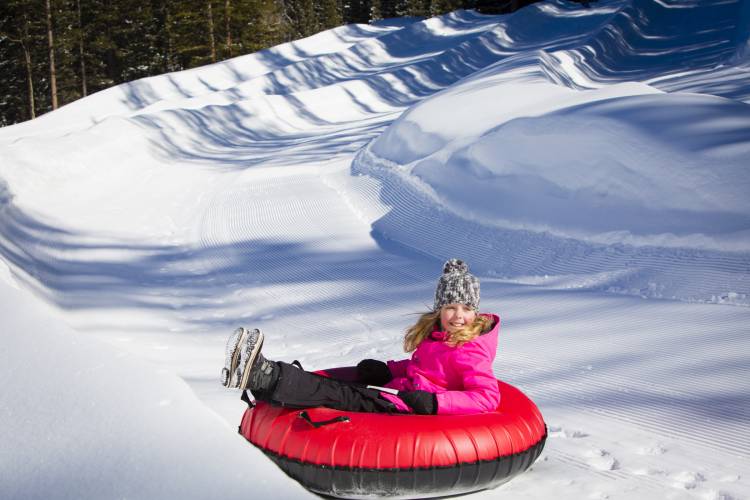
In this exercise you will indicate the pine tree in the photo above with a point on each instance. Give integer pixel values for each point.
(67, 41)
(357, 11)
(375, 13)
(302, 17)
(401, 8)
(262, 25)
(329, 14)
(439, 7)
(51, 54)
(18, 38)
(211, 37)
(81, 50)
(419, 8)
(228, 27)
(187, 28)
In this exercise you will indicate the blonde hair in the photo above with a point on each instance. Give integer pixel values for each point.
(428, 322)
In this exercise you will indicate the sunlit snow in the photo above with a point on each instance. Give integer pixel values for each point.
(592, 165)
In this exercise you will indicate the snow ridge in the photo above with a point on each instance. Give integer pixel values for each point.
(619, 211)
(418, 218)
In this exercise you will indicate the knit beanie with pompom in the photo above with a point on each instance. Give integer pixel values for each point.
(457, 286)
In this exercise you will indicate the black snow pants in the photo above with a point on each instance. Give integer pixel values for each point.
(297, 388)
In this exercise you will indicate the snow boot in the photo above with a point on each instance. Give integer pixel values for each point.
(230, 374)
(251, 362)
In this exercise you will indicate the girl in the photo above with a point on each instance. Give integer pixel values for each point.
(450, 372)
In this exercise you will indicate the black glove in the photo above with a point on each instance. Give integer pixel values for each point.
(422, 402)
(373, 372)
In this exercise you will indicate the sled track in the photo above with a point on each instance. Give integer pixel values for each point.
(700, 360)
(316, 279)
(416, 216)
(268, 231)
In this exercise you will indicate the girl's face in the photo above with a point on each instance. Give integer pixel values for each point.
(453, 317)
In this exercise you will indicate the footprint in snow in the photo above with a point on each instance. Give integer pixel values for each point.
(563, 482)
(649, 472)
(601, 460)
(652, 449)
(730, 478)
(719, 495)
(688, 480)
(598, 495)
(559, 432)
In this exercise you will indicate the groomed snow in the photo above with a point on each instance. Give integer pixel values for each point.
(591, 164)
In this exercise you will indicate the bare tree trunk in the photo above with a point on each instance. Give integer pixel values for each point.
(227, 15)
(80, 50)
(51, 45)
(23, 38)
(211, 32)
(29, 80)
(168, 28)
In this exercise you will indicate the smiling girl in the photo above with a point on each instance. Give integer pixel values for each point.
(449, 372)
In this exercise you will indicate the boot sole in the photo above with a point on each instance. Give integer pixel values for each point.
(249, 364)
(236, 358)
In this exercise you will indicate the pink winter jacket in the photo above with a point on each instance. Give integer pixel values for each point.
(461, 376)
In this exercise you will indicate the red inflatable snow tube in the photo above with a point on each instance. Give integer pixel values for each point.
(358, 455)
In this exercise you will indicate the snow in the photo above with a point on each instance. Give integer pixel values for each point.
(591, 165)
(83, 419)
(636, 163)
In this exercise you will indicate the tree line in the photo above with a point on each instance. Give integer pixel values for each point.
(53, 52)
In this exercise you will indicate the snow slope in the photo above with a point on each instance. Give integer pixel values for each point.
(314, 189)
(628, 175)
(81, 419)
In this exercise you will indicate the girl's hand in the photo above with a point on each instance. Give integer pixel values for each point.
(422, 402)
(373, 372)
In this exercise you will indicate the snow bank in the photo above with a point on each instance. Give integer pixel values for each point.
(622, 173)
(83, 420)
(669, 166)
(133, 97)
